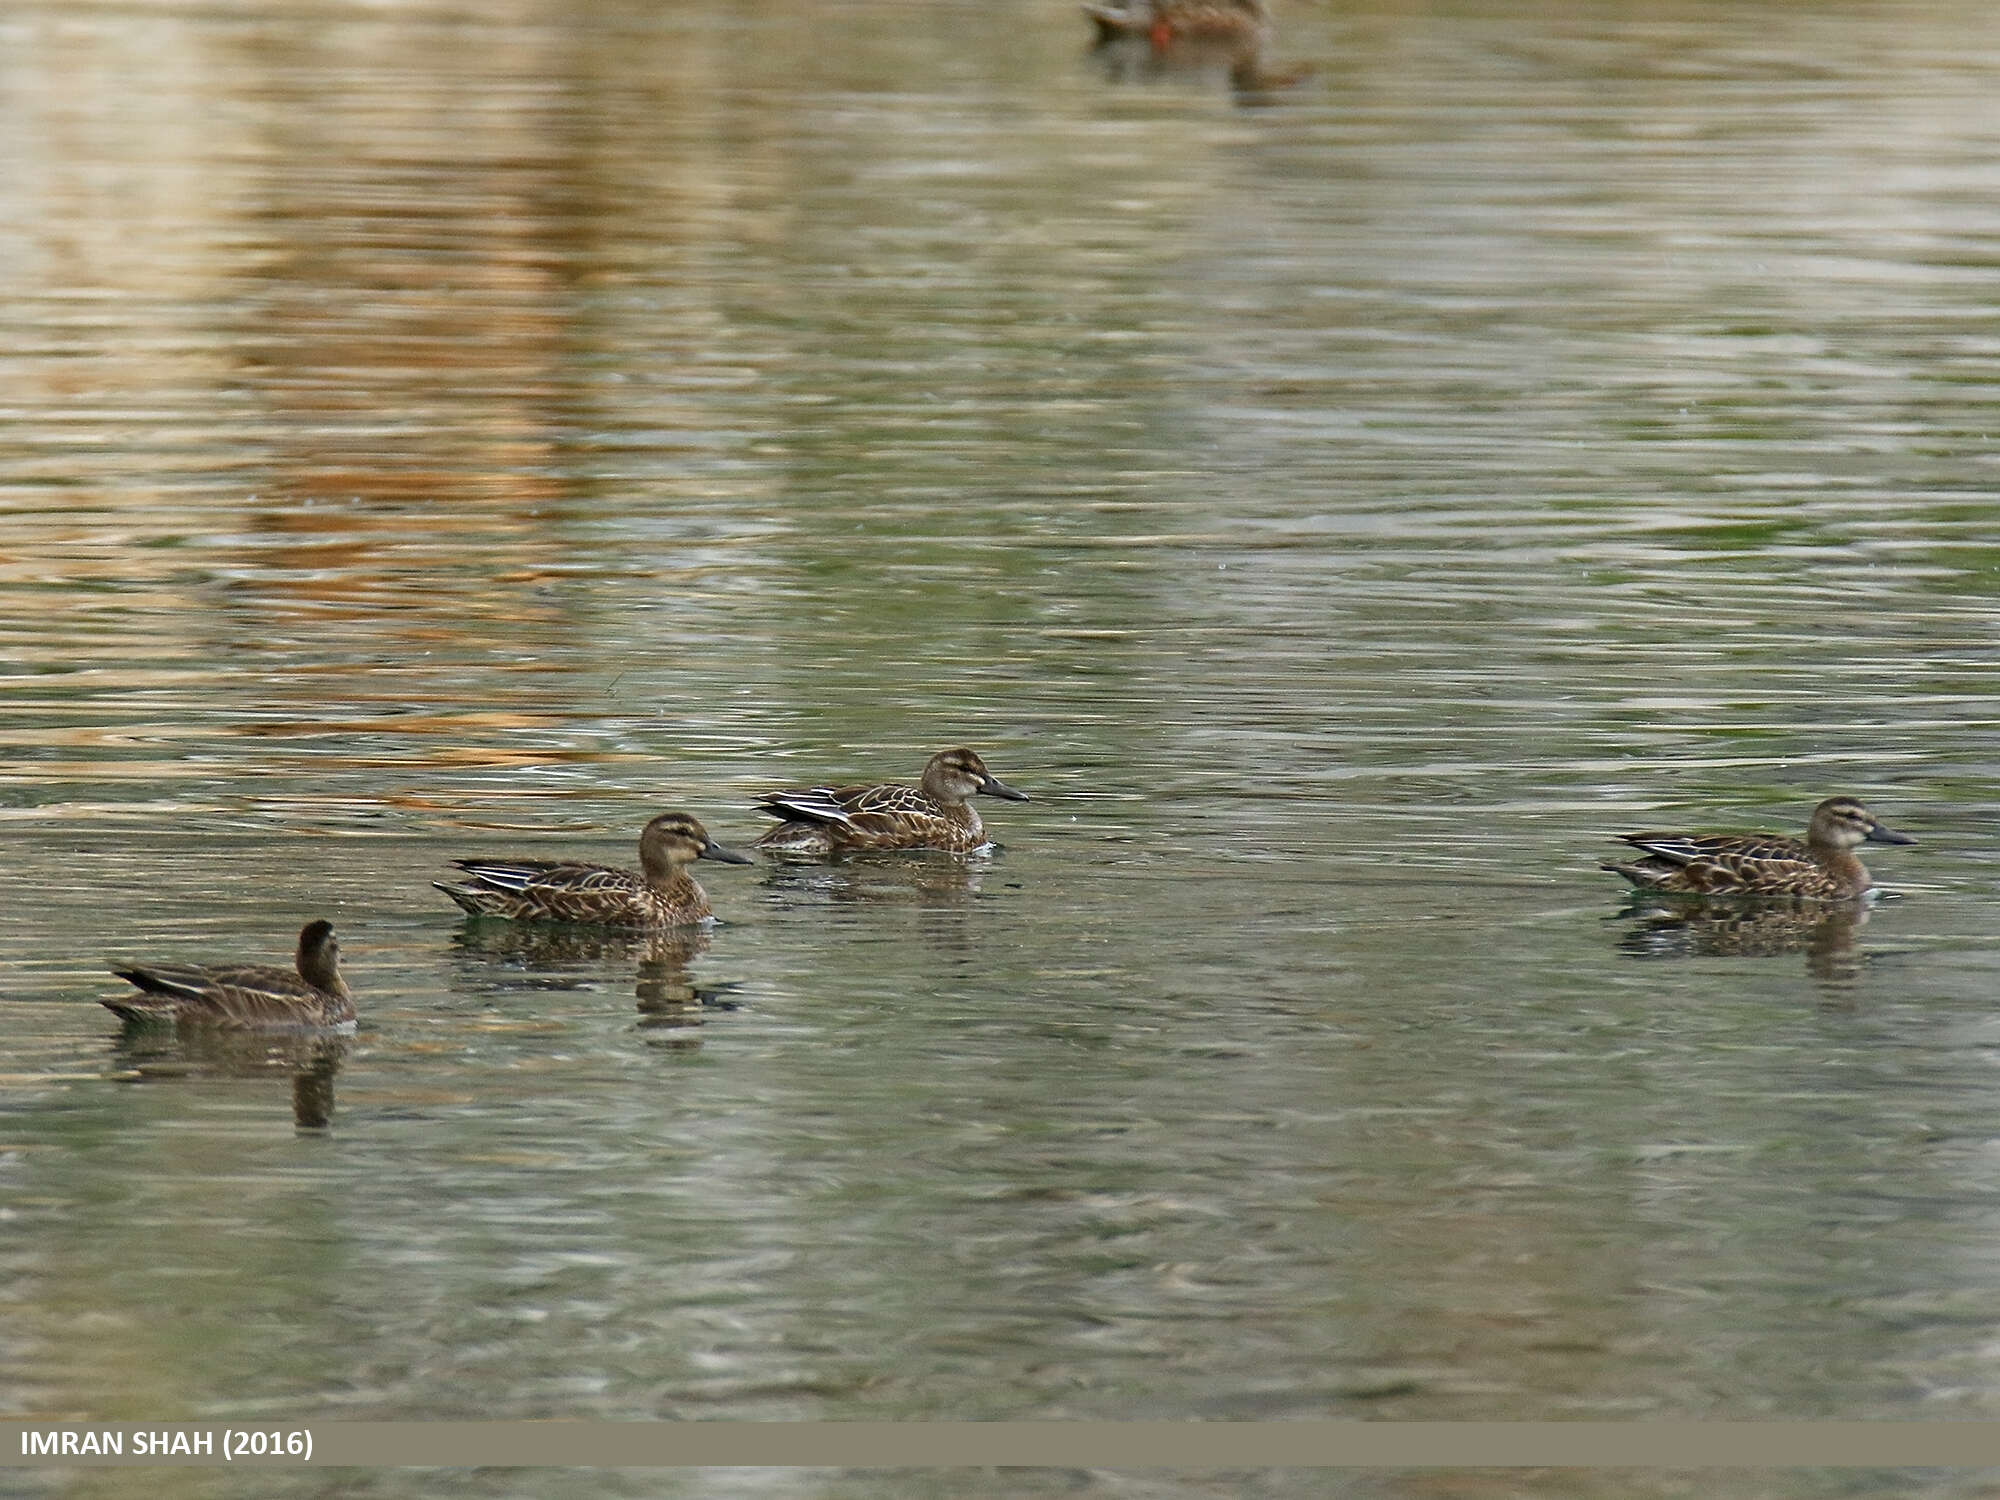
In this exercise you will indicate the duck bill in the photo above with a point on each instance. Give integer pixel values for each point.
(993, 786)
(715, 851)
(1880, 835)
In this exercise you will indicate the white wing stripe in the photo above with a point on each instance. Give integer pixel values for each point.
(815, 804)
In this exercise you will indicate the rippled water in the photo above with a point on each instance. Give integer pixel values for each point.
(429, 431)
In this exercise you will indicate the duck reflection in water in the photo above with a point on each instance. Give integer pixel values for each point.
(1827, 933)
(549, 958)
(919, 879)
(152, 1054)
(1143, 39)
(935, 892)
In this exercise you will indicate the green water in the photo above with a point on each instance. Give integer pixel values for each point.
(429, 432)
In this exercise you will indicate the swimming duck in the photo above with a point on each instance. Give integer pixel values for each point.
(1822, 868)
(664, 895)
(1148, 38)
(1165, 23)
(934, 814)
(244, 997)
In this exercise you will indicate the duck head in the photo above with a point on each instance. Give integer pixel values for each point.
(1843, 823)
(955, 775)
(675, 839)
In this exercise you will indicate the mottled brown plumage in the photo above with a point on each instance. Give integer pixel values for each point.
(244, 997)
(1822, 867)
(934, 814)
(660, 894)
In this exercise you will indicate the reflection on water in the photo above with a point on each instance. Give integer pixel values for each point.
(914, 877)
(533, 947)
(1344, 516)
(530, 957)
(671, 1005)
(1827, 934)
(150, 1053)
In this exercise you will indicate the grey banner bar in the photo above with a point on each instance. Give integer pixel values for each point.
(1112, 1445)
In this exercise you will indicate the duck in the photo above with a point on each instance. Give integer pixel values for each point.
(1166, 23)
(1821, 867)
(1148, 38)
(244, 997)
(661, 894)
(936, 813)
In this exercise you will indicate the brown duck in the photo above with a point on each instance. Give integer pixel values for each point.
(1164, 23)
(660, 894)
(244, 997)
(1175, 36)
(934, 814)
(1821, 868)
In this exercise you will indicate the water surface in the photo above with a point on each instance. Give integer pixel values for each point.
(432, 432)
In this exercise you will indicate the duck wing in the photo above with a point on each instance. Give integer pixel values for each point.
(559, 890)
(836, 805)
(1693, 848)
(1721, 863)
(520, 875)
(898, 814)
(237, 995)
